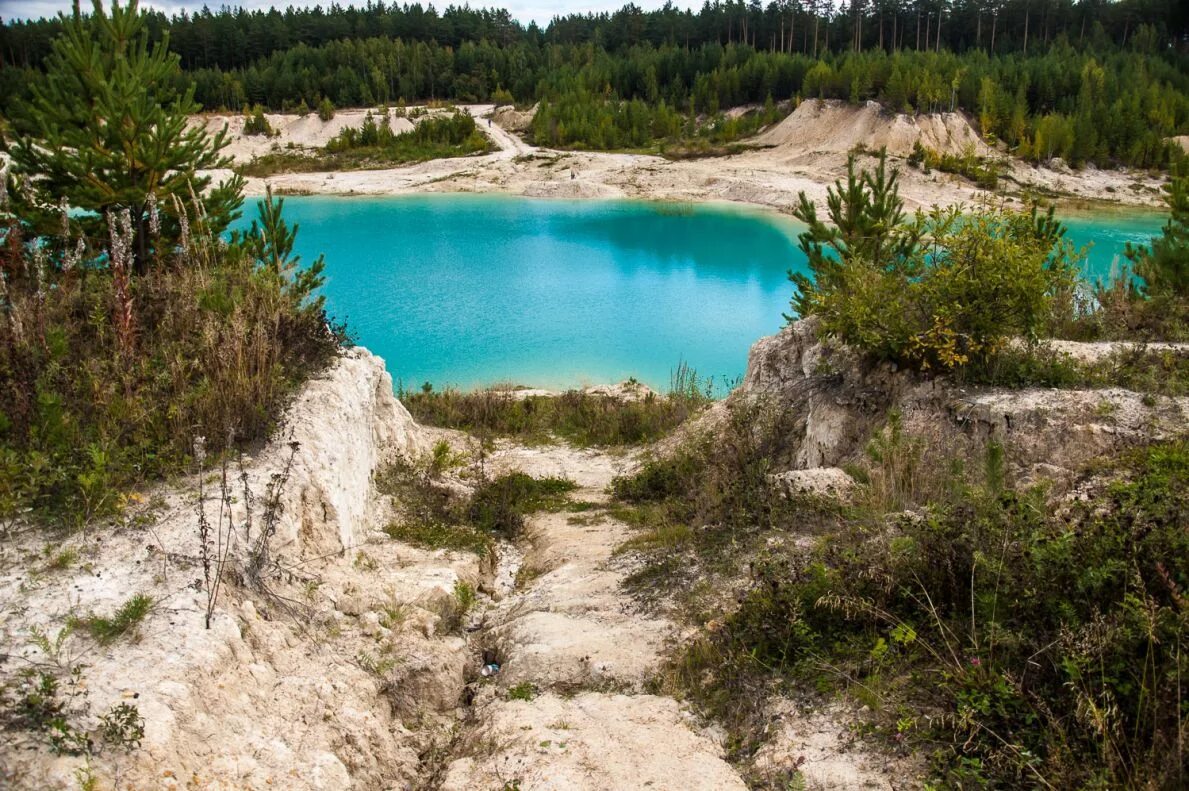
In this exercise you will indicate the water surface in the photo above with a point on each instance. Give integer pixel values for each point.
(466, 290)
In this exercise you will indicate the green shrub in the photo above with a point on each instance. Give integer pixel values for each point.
(499, 506)
(1020, 647)
(255, 123)
(326, 109)
(954, 300)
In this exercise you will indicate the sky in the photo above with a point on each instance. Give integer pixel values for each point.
(540, 11)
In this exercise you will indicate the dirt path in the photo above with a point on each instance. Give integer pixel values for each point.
(568, 708)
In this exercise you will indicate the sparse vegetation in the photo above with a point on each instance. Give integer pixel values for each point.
(982, 171)
(375, 145)
(107, 629)
(974, 621)
(584, 419)
(525, 691)
(436, 518)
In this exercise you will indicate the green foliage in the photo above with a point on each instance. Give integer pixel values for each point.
(1140, 369)
(106, 378)
(983, 172)
(440, 535)
(375, 145)
(434, 517)
(122, 726)
(1163, 266)
(106, 130)
(499, 506)
(255, 123)
(1120, 87)
(106, 630)
(585, 419)
(941, 304)
(977, 625)
(525, 690)
(325, 109)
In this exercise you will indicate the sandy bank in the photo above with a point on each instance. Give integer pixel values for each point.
(805, 152)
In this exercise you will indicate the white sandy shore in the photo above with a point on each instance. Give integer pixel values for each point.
(805, 152)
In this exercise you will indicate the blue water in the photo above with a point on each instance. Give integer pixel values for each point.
(471, 290)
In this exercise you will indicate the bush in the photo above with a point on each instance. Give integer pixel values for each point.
(938, 292)
(1020, 647)
(499, 506)
(106, 378)
(255, 123)
(434, 517)
(326, 109)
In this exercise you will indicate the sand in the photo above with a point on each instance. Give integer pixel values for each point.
(805, 152)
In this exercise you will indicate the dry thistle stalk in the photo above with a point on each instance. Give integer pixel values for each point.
(120, 229)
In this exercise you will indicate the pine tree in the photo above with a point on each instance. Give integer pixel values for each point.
(1164, 265)
(867, 229)
(106, 130)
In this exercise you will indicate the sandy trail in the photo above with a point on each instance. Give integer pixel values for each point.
(587, 651)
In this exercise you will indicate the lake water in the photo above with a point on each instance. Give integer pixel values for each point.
(465, 290)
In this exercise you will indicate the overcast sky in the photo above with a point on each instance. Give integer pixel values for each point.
(540, 11)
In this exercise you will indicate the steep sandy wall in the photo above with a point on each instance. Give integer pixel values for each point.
(303, 680)
(833, 126)
(308, 131)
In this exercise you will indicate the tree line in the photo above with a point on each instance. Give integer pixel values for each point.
(235, 37)
(1086, 81)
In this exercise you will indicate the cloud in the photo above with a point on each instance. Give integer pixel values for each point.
(524, 10)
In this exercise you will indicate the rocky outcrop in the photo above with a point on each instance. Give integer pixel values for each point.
(307, 674)
(346, 424)
(833, 401)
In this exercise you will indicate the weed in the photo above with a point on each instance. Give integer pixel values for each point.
(525, 691)
(106, 630)
(62, 560)
(585, 419)
(499, 506)
(440, 535)
(122, 726)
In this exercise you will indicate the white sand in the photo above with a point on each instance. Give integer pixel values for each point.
(805, 152)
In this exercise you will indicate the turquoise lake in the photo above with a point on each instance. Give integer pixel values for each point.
(466, 290)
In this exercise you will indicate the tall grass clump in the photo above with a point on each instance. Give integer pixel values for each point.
(106, 377)
(581, 417)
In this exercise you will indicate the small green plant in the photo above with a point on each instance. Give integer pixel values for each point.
(525, 691)
(62, 559)
(464, 595)
(122, 726)
(106, 630)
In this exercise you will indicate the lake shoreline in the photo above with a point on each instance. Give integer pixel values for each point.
(768, 176)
